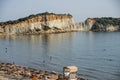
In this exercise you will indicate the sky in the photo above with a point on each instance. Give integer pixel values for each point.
(80, 9)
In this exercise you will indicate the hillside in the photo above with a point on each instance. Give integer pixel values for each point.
(100, 24)
(106, 24)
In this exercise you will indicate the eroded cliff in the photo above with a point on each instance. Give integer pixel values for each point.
(52, 23)
(100, 24)
(39, 23)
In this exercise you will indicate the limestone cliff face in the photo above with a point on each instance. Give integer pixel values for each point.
(86, 26)
(39, 23)
(51, 23)
(100, 24)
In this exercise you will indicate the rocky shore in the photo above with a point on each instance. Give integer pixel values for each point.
(10, 71)
(13, 72)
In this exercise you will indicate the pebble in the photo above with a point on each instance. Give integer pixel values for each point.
(24, 73)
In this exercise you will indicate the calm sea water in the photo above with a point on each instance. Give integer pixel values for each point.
(96, 54)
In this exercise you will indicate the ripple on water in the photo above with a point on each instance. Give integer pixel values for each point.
(96, 54)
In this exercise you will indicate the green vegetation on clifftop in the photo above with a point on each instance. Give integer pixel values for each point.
(30, 17)
(108, 21)
(106, 24)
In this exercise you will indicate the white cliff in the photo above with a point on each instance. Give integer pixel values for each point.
(51, 23)
(39, 23)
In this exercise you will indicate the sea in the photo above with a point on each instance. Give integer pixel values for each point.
(96, 54)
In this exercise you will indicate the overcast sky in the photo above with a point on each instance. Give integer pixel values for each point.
(80, 9)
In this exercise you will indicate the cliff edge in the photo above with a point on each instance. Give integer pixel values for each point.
(39, 23)
(52, 23)
(106, 24)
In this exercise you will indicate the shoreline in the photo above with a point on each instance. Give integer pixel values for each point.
(13, 72)
(10, 71)
(42, 32)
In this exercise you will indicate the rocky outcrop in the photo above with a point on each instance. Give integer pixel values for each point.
(56, 23)
(106, 24)
(100, 24)
(85, 26)
(44, 22)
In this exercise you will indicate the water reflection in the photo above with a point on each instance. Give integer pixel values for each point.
(96, 54)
